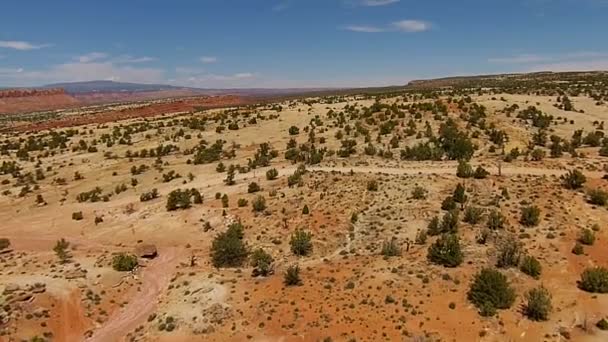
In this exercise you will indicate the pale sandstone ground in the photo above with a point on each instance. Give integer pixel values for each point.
(230, 305)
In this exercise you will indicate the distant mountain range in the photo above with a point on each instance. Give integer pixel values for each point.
(92, 87)
(109, 86)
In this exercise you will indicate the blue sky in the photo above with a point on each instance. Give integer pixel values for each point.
(295, 43)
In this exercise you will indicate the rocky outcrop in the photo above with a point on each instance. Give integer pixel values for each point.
(34, 100)
(12, 93)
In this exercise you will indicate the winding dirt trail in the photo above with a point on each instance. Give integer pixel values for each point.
(155, 279)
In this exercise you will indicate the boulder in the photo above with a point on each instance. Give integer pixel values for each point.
(146, 251)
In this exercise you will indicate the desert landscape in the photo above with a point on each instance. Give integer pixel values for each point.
(462, 209)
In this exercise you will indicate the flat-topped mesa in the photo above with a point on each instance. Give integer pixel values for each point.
(13, 93)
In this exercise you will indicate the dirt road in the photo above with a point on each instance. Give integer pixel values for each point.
(155, 279)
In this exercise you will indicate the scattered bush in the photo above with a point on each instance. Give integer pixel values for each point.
(228, 248)
(530, 266)
(464, 170)
(372, 185)
(419, 193)
(496, 220)
(448, 204)
(262, 262)
(446, 251)
(292, 276)
(574, 179)
(586, 237)
(390, 248)
(472, 215)
(421, 237)
(578, 249)
(597, 197)
(124, 262)
(253, 187)
(272, 174)
(301, 243)
(491, 291)
(594, 280)
(602, 324)
(480, 173)
(148, 196)
(530, 216)
(259, 204)
(509, 252)
(538, 304)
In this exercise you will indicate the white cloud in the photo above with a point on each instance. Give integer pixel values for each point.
(92, 56)
(374, 3)
(127, 59)
(364, 28)
(208, 59)
(19, 45)
(412, 25)
(408, 26)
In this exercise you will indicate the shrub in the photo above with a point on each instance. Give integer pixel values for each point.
(538, 304)
(419, 193)
(448, 204)
(259, 204)
(182, 199)
(272, 174)
(464, 170)
(578, 249)
(460, 194)
(586, 237)
(301, 242)
(262, 262)
(509, 252)
(594, 280)
(449, 222)
(305, 210)
(253, 187)
(480, 173)
(292, 276)
(530, 266)
(602, 324)
(496, 220)
(421, 237)
(574, 179)
(228, 248)
(61, 250)
(242, 202)
(491, 291)
(372, 185)
(446, 251)
(225, 201)
(530, 216)
(293, 130)
(433, 227)
(124, 262)
(4, 243)
(597, 197)
(472, 215)
(390, 248)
